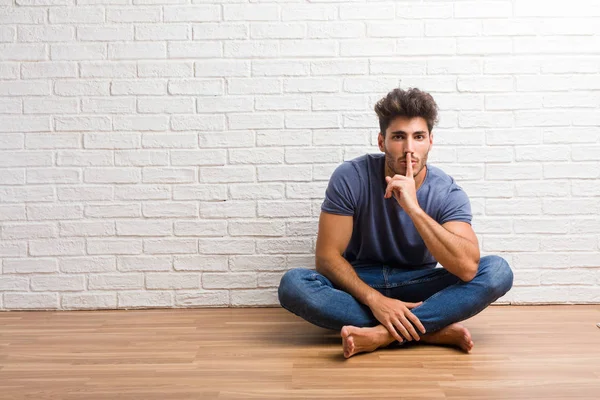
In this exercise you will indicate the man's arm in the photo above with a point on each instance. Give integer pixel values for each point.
(453, 244)
(334, 235)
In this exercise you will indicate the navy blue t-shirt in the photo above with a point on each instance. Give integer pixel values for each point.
(383, 233)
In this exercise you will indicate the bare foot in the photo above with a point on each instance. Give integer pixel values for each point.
(455, 335)
(359, 340)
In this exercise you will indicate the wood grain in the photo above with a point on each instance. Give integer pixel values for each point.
(525, 352)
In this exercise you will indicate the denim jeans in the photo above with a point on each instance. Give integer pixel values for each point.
(446, 298)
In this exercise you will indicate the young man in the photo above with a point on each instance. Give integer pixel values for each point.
(386, 221)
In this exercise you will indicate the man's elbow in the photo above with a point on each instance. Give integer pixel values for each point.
(471, 271)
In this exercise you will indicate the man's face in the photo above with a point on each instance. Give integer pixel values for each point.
(406, 135)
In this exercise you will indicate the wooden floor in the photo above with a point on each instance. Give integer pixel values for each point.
(541, 352)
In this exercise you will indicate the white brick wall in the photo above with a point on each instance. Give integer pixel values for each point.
(175, 153)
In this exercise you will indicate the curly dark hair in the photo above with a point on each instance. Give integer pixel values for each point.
(406, 103)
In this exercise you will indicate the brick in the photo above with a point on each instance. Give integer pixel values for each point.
(62, 283)
(224, 104)
(110, 141)
(54, 175)
(454, 28)
(519, 136)
(255, 121)
(31, 301)
(264, 297)
(169, 209)
(140, 123)
(134, 51)
(221, 68)
(201, 228)
(340, 137)
(483, 9)
(87, 228)
(139, 87)
(312, 155)
(75, 52)
(144, 299)
(543, 153)
(170, 246)
(221, 30)
(513, 207)
(142, 192)
(195, 50)
(279, 209)
(36, 141)
(284, 173)
(398, 28)
(256, 228)
(165, 69)
(202, 87)
(108, 105)
(26, 194)
(195, 13)
(284, 138)
(13, 248)
(198, 122)
(311, 85)
(546, 188)
(30, 266)
(286, 246)
(141, 158)
(114, 246)
(89, 301)
(511, 65)
(156, 32)
(215, 280)
(484, 225)
(226, 174)
(485, 84)
(54, 212)
(134, 14)
(83, 123)
(370, 47)
(117, 281)
(200, 192)
(571, 170)
(396, 66)
(144, 228)
(542, 226)
(12, 213)
(57, 247)
(22, 52)
(262, 68)
(256, 191)
(106, 33)
(513, 171)
(208, 298)
(249, 49)
(112, 175)
(200, 263)
(168, 175)
(280, 103)
(257, 263)
(568, 243)
(277, 30)
(144, 263)
(18, 15)
(158, 280)
(256, 156)
(28, 231)
(369, 85)
(84, 158)
(80, 88)
(171, 140)
(112, 210)
(228, 246)
(314, 120)
(228, 209)
(510, 243)
(571, 206)
(313, 190)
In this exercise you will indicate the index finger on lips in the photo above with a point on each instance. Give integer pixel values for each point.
(409, 168)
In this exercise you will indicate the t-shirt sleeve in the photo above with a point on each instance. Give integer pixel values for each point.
(456, 206)
(342, 191)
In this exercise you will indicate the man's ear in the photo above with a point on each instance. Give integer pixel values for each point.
(380, 140)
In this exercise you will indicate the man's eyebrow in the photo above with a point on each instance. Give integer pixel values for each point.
(404, 133)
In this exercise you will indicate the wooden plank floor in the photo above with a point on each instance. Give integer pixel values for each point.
(525, 352)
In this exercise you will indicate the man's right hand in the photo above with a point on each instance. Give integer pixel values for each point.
(395, 315)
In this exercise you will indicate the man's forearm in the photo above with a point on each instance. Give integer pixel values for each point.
(342, 274)
(458, 255)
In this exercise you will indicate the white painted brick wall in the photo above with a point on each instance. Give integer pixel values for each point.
(175, 154)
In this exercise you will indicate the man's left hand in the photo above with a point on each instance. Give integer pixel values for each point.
(403, 188)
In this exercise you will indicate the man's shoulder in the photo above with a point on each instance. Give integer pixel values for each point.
(440, 181)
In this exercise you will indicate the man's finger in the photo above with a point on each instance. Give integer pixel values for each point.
(409, 168)
(410, 328)
(416, 321)
(398, 325)
(394, 333)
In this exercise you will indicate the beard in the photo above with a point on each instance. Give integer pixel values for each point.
(393, 163)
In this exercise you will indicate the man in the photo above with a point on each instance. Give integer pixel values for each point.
(386, 221)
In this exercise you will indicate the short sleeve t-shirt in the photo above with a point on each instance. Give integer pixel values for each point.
(383, 233)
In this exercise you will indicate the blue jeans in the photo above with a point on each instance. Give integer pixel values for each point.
(446, 298)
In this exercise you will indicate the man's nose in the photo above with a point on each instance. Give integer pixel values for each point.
(409, 146)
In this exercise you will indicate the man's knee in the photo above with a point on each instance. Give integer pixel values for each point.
(498, 274)
(291, 284)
